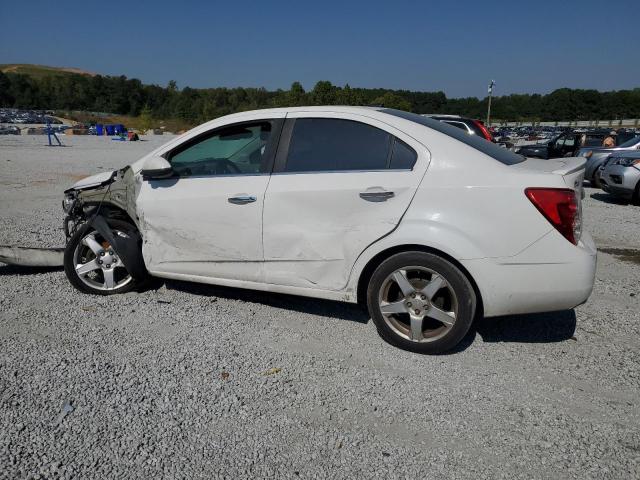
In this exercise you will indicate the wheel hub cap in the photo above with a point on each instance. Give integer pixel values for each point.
(417, 304)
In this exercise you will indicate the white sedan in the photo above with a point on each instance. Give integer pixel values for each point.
(425, 225)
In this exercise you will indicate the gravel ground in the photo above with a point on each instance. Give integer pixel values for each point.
(194, 381)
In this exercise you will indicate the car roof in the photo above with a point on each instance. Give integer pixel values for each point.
(281, 111)
(314, 108)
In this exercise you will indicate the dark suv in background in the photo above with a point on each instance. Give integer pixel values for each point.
(469, 125)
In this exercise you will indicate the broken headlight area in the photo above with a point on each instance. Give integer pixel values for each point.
(69, 203)
(75, 215)
(70, 226)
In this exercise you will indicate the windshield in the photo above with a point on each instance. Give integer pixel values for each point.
(630, 143)
(500, 154)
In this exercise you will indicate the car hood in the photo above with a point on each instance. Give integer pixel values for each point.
(93, 181)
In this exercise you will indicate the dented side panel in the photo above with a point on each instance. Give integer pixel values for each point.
(190, 227)
(317, 224)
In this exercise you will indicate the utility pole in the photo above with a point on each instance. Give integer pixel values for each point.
(491, 84)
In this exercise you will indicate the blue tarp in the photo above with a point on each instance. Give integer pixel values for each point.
(116, 129)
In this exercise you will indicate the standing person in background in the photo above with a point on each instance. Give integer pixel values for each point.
(610, 140)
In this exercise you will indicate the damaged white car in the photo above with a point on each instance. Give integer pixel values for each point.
(425, 225)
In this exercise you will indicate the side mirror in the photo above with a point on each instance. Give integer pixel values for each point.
(156, 167)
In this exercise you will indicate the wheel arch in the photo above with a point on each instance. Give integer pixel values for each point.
(111, 211)
(376, 260)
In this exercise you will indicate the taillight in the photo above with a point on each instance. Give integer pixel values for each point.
(561, 207)
(485, 133)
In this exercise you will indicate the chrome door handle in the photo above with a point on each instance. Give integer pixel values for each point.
(242, 199)
(376, 196)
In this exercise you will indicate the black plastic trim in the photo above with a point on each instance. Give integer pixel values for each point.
(128, 248)
(283, 146)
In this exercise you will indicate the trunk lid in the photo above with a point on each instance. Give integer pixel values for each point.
(570, 168)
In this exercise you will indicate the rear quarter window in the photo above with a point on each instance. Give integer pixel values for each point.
(501, 154)
(403, 157)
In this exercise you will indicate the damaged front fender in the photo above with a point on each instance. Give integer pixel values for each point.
(116, 189)
(100, 198)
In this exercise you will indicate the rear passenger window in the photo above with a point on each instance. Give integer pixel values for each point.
(324, 144)
(402, 156)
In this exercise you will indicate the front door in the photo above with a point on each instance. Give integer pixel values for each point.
(339, 184)
(206, 220)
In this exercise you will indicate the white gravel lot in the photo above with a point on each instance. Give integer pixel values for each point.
(194, 381)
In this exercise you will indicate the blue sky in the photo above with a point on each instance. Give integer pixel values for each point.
(455, 46)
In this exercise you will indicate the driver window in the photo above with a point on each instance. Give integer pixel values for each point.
(233, 150)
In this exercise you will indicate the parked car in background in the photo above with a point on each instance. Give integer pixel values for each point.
(9, 130)
(620, 175)
(469, 125)
(355, 204)
(596, 157)
(566, 144)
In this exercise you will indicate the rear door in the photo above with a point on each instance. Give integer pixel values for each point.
(340, 182)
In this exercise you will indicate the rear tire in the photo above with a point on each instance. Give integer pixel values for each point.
(421, 302)
(92, 266)
(596, 183)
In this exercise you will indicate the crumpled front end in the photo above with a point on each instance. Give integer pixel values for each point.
(97, 200)
(112, 193)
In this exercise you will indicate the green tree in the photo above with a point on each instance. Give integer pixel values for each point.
(391, 100)
(6, 100)
(323, 93)
(296, 95)
(145, 119)
(130, 96)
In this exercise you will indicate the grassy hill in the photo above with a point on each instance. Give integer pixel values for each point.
(40, 71)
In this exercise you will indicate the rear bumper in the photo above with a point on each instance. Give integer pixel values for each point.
(552, 274)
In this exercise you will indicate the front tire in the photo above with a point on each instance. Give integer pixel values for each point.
(92, 266)
(421, 302)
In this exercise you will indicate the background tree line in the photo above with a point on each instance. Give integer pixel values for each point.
(120, 95)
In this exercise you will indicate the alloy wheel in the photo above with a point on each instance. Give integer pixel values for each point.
(418, 304)
(97, 264)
